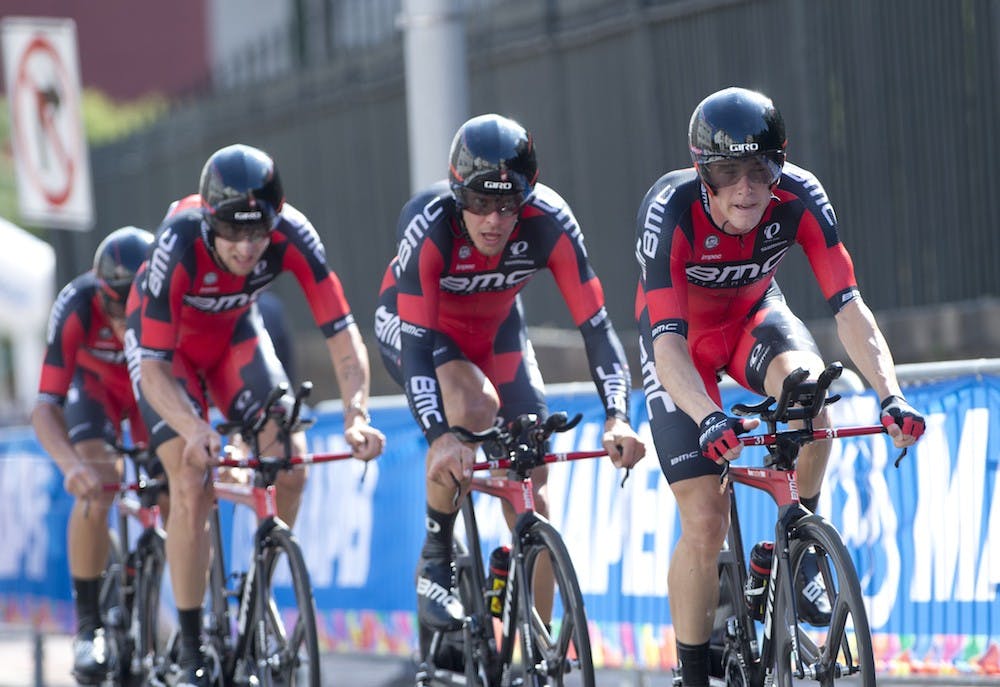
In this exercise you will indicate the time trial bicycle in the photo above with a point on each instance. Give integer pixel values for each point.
(259, 633)
(554, 645)
(130, 588)
(790, 649)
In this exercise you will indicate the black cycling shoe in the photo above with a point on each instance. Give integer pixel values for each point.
(92, 657)
(437, 606)
(814, 602)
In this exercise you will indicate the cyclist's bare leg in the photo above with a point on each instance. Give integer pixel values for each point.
(693, 578)
(87, 533)
(812, 457)
(544, 583)
(290, 483)
(470, 401)
(187, 527)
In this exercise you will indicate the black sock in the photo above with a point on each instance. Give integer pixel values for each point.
(190, 622)
(437, 541)
(87, 593)
(694, 664)
(810, 502)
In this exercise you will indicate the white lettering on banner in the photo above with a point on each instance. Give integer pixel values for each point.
(586, 509)
(868, 520)
(24, 507)
(338, 504)
(952, 558)
(651, 514)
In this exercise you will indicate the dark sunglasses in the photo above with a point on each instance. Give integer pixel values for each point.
(482, 204)
(759, 169)
(253, 232)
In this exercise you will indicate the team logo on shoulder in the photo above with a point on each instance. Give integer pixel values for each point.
(711, 241)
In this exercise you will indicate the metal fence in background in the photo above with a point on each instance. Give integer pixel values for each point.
(893, 104)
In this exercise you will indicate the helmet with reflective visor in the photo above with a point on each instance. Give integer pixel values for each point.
(492, 155)
(241, 192)
(736, 124)
(116, 261)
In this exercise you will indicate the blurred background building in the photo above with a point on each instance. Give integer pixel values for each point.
(892, 103)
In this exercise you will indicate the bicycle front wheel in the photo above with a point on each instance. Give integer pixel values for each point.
(558, 641)
(832, 639)
(282, 644)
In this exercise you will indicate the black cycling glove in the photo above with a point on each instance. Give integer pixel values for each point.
(718, 435)
(896, 411)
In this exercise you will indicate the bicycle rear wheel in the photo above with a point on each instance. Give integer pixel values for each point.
(561, 646)
(149, 650)
(115, 609)
(282, 647)
(820, 653)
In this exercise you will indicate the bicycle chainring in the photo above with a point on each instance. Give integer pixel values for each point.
(735, 672)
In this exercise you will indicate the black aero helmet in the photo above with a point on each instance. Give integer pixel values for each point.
(735, 123)
(493, 155)
(240, 186)
(117, 258)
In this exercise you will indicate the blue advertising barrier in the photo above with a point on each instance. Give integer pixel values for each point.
(925, 537)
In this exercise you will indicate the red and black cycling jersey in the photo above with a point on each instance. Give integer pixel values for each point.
(447, 286)
(80, 334)
(188, 295)
(695, 276)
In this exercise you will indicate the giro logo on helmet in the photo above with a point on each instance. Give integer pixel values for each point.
(251, 216)
(743, 147)
(498, 185)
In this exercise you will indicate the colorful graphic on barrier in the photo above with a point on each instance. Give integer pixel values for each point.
(925, 537)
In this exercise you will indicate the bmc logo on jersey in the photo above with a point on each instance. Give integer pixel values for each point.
(743, 147)
(490, 281)
(733, 275)
(230, 301)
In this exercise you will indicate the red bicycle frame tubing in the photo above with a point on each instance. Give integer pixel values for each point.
(260, 499)
(505, 463)
(131, 506)
(817, 435)
(520, 493)
(782, 485)
(307, 459)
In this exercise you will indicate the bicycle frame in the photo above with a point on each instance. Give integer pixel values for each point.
(260, 498)
(780, 481)
(519, 494)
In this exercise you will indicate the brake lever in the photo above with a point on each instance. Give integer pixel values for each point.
(899, 458)
(628, 471)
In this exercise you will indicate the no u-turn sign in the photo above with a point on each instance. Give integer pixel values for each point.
(42, 73)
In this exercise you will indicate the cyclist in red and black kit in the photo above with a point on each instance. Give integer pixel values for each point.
(451, 329)
(84, 397)
(709, 241)
(194, 335)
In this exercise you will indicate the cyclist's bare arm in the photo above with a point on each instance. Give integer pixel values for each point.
(49, 423)
(162, 391)
(351, 366)
(867, 348)
(864, 343)
(678, 375)
(680, 378)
